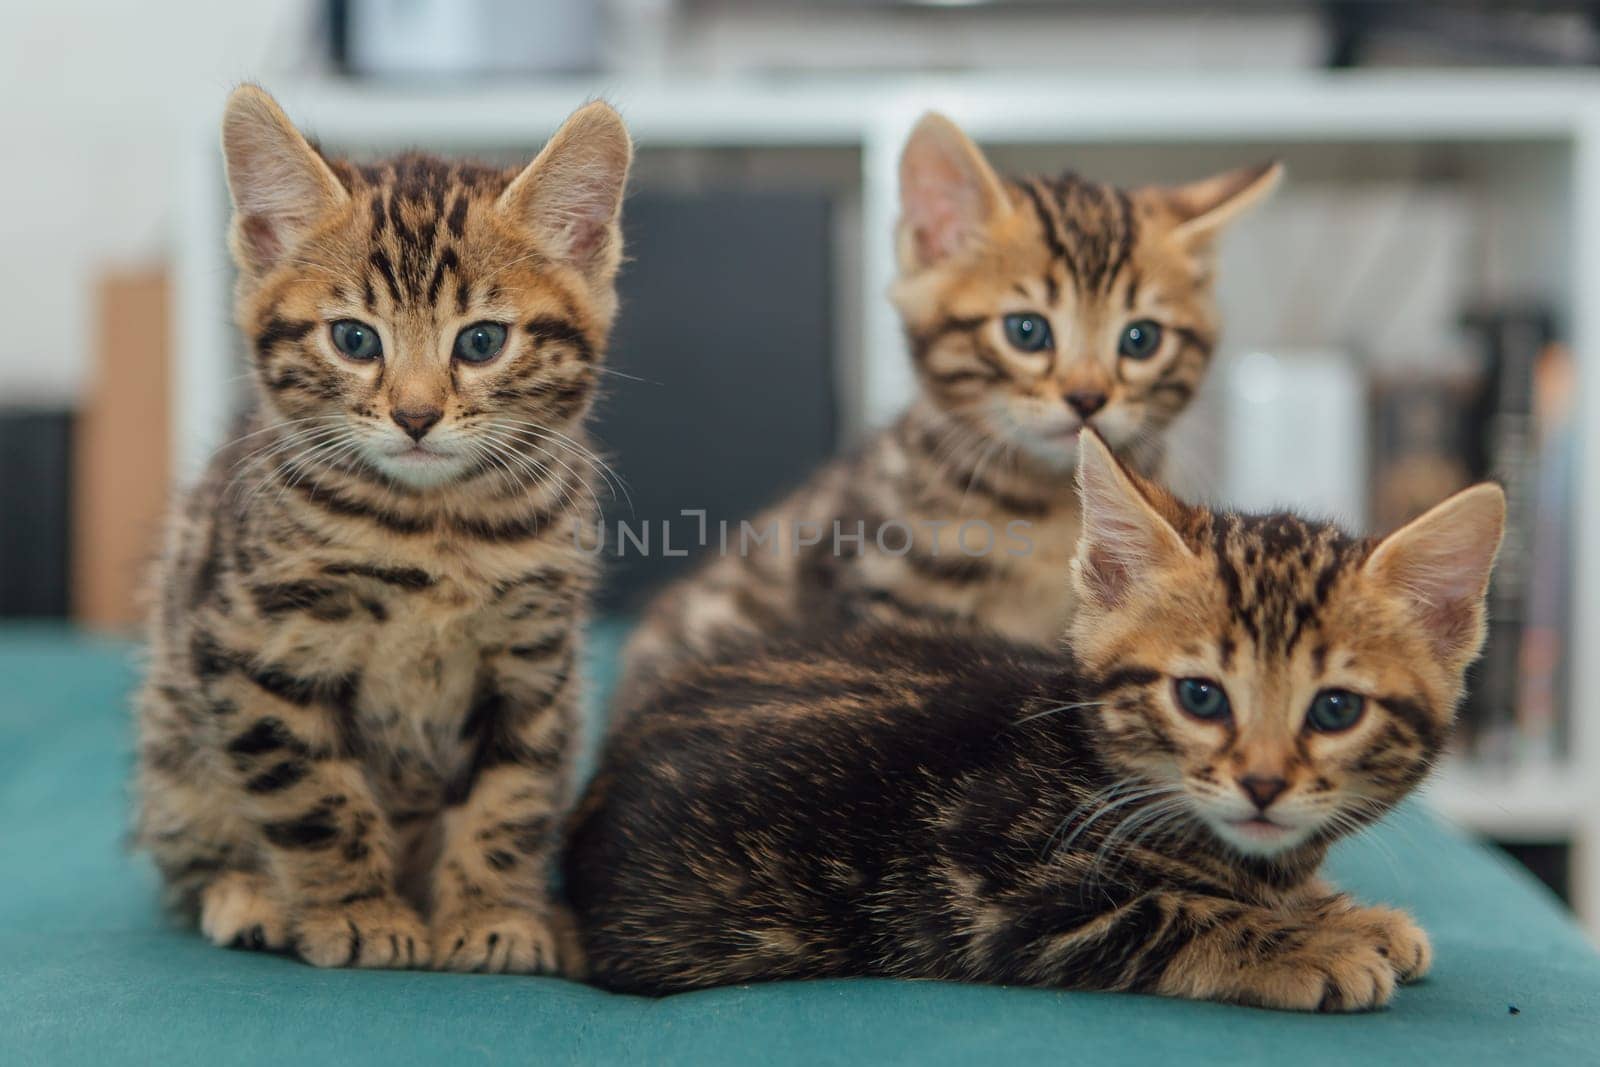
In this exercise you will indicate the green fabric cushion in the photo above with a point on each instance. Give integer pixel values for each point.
(90, 973)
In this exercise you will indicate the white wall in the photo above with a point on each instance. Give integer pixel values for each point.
(94, 95)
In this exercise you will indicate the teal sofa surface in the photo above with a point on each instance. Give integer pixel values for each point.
(92, 973)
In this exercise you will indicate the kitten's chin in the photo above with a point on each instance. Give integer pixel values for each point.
(419, 468)
(1260, 838)
(1057, 451)
(1054, 446)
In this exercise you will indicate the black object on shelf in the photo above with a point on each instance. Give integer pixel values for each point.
(1541, 33)
(724, 394)
(1505, 449)
(35, 513)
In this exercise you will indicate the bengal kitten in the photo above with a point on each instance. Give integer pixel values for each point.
(355, 735)
(1034, 307)
(1146, 812)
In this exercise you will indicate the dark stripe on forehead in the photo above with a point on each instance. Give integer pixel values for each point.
(1232, 583)
(403, 235)
(1052, 287)
(1047, 223)
(1129, 229)
(1277, 572)
(380, 261)
(1303, 614)
(1096, 222)
(456, 222)
(447, 261)
(1326, 578)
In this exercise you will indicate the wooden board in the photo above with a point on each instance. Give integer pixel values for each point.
(122, 451)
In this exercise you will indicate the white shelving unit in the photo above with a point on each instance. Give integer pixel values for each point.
(872, 116)
(1528, 805)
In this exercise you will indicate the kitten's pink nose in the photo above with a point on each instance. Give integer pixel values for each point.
(418, 422)
(1086, 401)
(1262, 790)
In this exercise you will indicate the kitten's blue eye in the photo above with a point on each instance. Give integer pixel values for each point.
(1140, 339)
(1028, 333)
(356, 340)
(1202, 698)
(480, 342)
(1333, 710)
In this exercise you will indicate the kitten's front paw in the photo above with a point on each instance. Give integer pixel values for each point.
(1401, 940)
(382, 932)
(239, 910)
(1338, 969)
(1356, 977)
(496, 941)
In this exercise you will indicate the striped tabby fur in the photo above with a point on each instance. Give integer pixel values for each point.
(355, 738)
(917, 802)
(992, 436)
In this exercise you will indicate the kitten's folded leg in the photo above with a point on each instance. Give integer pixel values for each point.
(492, 909)
(491, 906)
(323, 837)
(1412, 953)
(1333, 957)
(1319, 953)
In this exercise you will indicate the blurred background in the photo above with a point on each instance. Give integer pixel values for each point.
(1410, 313)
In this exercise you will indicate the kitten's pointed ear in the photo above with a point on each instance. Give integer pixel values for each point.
(1125, 536)
(948, 192)
(1205, 206)
(1440, 563)
(570, 196)
(281, 187)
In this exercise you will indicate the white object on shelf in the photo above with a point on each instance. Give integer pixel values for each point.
(466, 38)
(1294, 432)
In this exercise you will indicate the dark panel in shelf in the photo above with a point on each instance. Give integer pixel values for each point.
(725, 392)
(35, 513)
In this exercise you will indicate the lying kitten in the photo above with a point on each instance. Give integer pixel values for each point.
(363, 686)
(1035, 307)
(1144, 812)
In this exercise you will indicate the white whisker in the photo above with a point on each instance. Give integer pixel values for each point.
(1059, 708)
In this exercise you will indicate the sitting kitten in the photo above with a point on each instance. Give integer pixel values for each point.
(1034, 307)
(355, 736)
(1144, 812)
